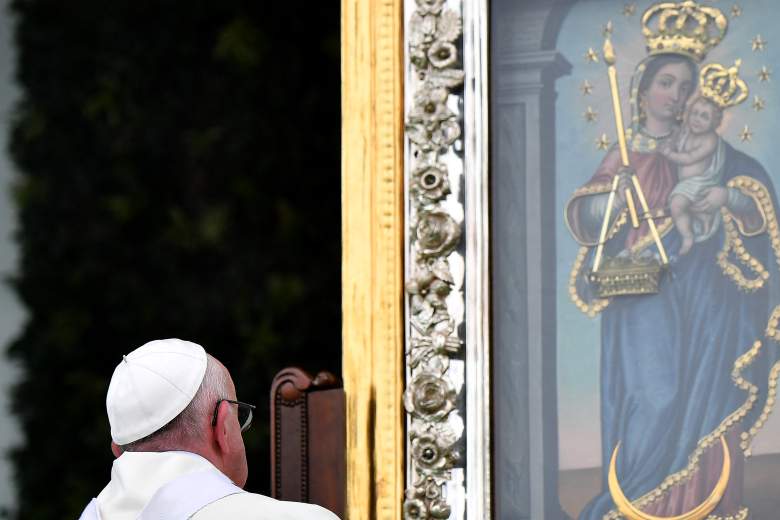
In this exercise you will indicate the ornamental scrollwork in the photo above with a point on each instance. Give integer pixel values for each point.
(432, 128)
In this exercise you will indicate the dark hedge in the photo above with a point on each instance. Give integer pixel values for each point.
(179, 177)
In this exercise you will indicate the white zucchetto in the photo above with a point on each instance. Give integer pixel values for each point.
(151, 386)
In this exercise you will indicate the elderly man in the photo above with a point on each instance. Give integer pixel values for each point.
(176, 430)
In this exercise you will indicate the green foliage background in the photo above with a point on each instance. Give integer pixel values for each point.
(179, 178)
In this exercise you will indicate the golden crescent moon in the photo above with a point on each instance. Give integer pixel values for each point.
(700, 512)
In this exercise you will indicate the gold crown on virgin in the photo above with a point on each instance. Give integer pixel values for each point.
(722, 85)
(683, 28)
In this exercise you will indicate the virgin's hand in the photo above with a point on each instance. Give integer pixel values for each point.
(624, 182)
(714, 199)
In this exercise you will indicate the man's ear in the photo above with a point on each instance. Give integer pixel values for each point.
(115, 449)
(220, 429)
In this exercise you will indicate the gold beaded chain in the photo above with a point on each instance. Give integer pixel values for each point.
(747, 437)
(773, 334)
(733, 241)
(599, 304)
(742, 514)
(648, 240)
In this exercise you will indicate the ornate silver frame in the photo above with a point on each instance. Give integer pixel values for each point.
(447, 397)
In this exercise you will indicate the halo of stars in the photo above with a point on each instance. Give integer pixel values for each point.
(590, 114)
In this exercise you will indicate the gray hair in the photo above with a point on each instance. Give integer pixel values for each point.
(189, 424)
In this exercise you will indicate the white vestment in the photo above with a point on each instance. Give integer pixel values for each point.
(176, 485)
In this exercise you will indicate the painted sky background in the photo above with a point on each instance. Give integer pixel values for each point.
(11, 314)
(577, 158)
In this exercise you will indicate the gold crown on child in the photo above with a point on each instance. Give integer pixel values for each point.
(722, 85)
(683, 28)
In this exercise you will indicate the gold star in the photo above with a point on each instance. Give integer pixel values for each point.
(746, 134)
(764, 74)
(736, 11)
(602, 143)
(629, 9)
(758, 103)
(590, 115)
(591, 56)
(606, 31)
(586, 88)
(759, 43)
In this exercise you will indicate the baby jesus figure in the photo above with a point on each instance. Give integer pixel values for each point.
(693, 150)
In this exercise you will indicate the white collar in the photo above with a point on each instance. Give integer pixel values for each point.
(136, 477)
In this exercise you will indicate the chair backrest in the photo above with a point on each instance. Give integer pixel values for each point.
(308, 439)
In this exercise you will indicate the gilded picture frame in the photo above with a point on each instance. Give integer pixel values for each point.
(378, 245)
(372, 274)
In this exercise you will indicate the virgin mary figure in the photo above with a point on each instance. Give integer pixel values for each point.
(697, 361)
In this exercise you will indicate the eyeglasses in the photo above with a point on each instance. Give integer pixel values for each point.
(244, 413)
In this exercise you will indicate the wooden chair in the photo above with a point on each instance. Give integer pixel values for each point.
(308, 439)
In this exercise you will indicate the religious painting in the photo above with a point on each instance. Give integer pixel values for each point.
(635, 259)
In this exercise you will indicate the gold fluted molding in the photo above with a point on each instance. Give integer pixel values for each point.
(372, 255)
